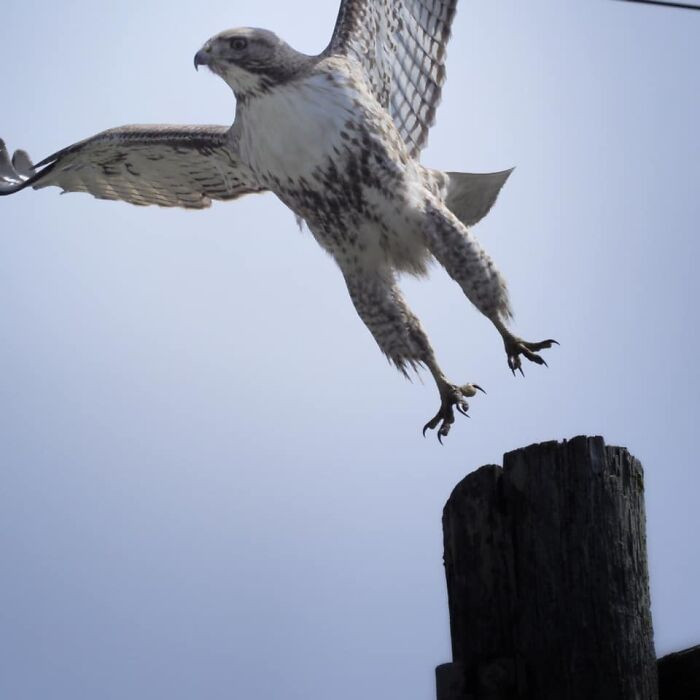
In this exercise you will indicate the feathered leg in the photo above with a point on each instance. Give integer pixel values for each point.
(399, 334)
(460, 254)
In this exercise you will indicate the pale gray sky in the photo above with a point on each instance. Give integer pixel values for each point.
(213, 485)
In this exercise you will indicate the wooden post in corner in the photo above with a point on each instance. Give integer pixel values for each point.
(547, 578)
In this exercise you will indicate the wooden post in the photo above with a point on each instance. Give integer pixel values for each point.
(547, 578)
(679, 675)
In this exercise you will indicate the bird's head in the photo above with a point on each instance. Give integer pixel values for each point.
(250, 60)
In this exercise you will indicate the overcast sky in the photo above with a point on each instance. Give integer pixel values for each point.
(213, 484)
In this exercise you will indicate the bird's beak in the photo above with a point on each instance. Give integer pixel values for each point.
(202, 58)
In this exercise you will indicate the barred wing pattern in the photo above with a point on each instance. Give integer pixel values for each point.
(166, 165)
(401, 45)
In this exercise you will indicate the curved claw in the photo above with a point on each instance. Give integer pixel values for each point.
(515, 347)
(453, 397)
(432, 423)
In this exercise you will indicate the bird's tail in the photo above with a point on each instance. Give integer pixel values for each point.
(470, 196)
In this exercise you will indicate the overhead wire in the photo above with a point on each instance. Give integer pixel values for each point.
(664, 3)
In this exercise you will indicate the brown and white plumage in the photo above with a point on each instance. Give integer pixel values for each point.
(167, 165)
(336, 137)
(401, 45)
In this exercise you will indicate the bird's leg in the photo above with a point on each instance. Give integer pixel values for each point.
(401, 338)
(451, 397)
(515, 347)
(466, 262)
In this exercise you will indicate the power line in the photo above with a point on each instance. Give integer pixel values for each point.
(663, 3)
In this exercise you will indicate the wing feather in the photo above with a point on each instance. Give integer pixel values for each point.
(401, 46)
(170, 166)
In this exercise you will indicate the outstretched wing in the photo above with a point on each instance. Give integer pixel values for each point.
(171, 166)
(401, 45)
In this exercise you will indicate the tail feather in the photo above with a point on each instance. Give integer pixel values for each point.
(470, 196)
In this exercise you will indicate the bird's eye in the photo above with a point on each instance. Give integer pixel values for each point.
(239, 44)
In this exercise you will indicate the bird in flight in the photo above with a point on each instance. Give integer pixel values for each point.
(337, 138)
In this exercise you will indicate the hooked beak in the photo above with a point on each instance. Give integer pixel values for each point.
(202, 58)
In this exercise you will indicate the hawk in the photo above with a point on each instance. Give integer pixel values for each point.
(337, 138)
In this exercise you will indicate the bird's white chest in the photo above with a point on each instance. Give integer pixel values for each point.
(289, 132)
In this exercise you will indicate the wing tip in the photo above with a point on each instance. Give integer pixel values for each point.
(12, 179)
(22, 163)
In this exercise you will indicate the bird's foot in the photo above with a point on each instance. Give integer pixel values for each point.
(451, 397)
(515, 347)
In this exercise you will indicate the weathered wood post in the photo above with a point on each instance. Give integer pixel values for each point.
(547, 578)
(679, 675)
